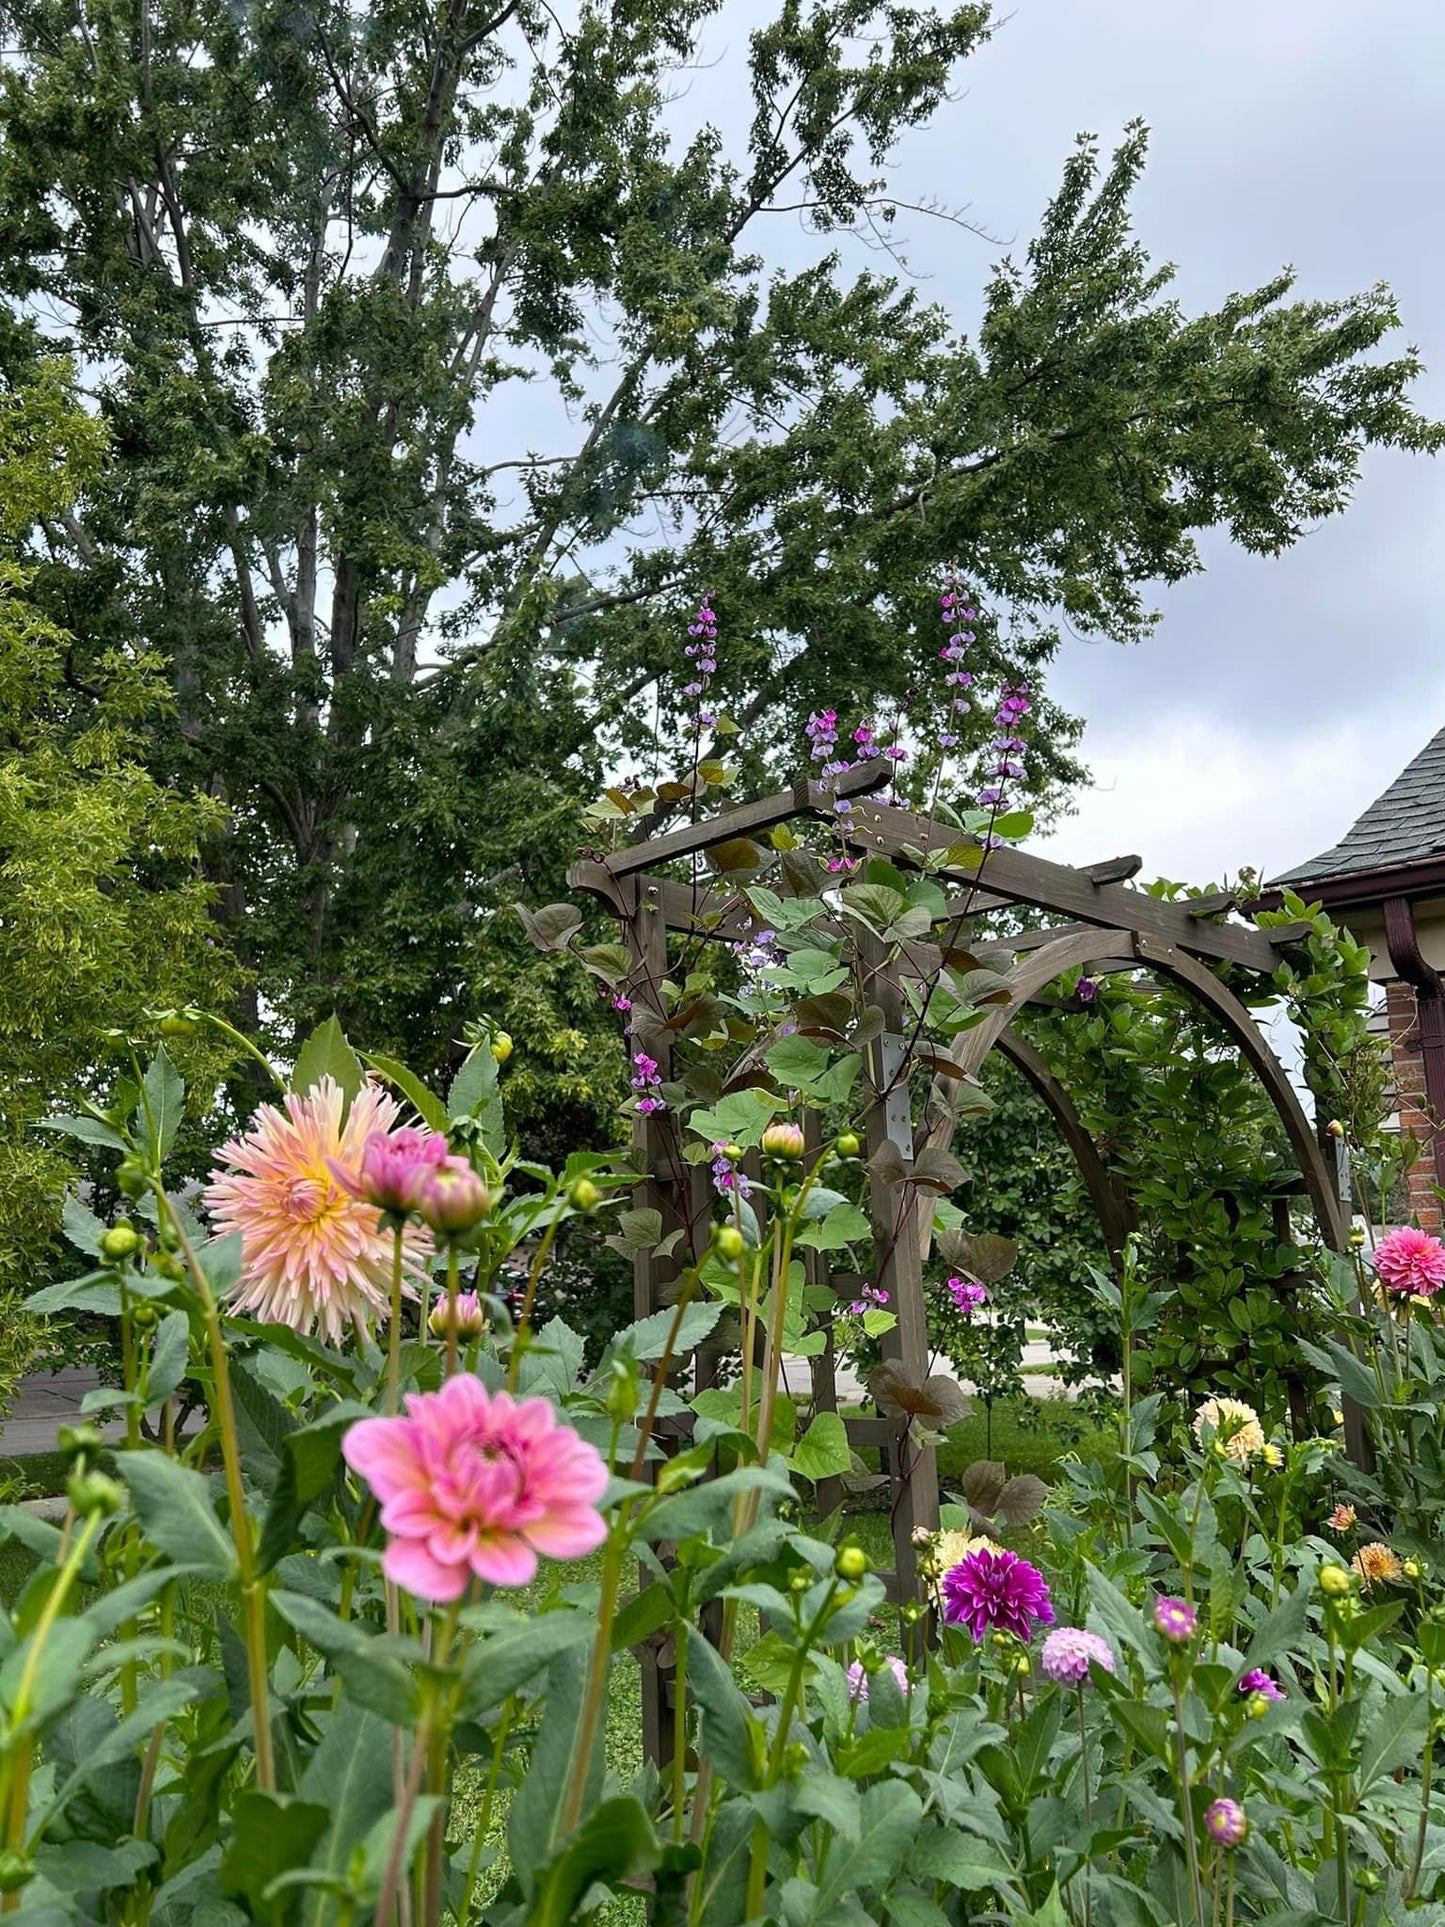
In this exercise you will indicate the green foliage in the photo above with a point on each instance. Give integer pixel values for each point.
(405, 635)
(105, 910)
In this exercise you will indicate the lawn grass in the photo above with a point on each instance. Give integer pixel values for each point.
(33, 1475)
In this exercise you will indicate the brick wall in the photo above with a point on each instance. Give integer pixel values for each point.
(1410, 1104)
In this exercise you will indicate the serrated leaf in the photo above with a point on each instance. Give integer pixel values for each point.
(176, 1512)
(326, 1053)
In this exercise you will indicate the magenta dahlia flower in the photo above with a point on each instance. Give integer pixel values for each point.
(393, 1167)
(994, 1591)
(476, 1484)
(314, 1254)
(1410, 1262)
(1226, 1823)
(1067, 1654)
(1258, 1681)
(1175, 1619)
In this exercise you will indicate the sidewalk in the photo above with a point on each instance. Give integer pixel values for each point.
(43, 1404)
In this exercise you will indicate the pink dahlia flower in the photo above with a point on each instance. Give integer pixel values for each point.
(473, 1484)
(1067, 1654)
(394, 1166)
(858, 1677)
(990, 1590)
(1410, 1262)
(313, 1255)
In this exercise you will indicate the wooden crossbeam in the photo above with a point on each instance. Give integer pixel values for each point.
(1114, 869)
(804, 798)
(1054, 886)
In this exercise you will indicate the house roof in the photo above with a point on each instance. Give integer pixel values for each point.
(1404, 825)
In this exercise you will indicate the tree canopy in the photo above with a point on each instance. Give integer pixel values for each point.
(104, 910)
(323, 268)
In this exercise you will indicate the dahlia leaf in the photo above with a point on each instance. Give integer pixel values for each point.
(176, 1512)
(326, 1053)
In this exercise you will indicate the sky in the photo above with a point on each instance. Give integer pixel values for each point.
(1278, 696)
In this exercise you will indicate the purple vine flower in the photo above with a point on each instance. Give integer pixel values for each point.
(645, 1080)
(967, 1295)
(701, 652)
(955, 612)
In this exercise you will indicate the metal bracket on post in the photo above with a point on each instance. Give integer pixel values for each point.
(898, 1111)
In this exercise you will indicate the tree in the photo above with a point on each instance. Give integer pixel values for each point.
(314, 261)
(104, 912)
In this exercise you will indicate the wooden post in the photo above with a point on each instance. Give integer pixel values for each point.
(654, 1137)
(899, 1270)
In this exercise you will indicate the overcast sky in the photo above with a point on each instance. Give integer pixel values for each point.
(1278, 697)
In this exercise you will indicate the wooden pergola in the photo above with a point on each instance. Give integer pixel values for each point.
(1103, 925)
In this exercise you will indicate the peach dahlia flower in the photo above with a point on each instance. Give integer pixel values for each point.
(313, 1255)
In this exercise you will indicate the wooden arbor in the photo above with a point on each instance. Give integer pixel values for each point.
(1104, 926)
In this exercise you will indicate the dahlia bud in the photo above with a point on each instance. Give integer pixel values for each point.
(121, 1241)
(471, 1320)
(584, 1195)
(79, 1441)
(130, 1178)
(175, 1023)
(1175, 1620)
(1335, 1128)
(93, 1492)
(729, 1241)
(16, 1868)
(1357, 1237)
(1257, 1705)
(501, 1046)
(1226, 1824)
(783, 1141)
(1334, 1582)
(847, 1144)
(453, 1200)
(1412, 1569)
(800, 1582)
(852, 1563)
(394, 1167)
(146, 1315)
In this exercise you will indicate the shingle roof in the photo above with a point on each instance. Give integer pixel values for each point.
(1405, 825)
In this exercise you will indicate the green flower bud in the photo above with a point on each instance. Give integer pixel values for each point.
(1368, 1879)
(584, 1195)
(800, 1582)
(852, 1563)
(1257, 1706)
(130, 1178)
(15, 1869)
(734, 1153)
(501, 1046)
(79, 1441)
(1334, 1582)
(729, 1241)
(94, 1492)
(120, 1242)
(847, 1144)
(146, 1315)
(176, 1024)
(1412, 1569)
(169, 1266)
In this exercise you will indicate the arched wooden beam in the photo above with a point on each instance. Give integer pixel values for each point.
(1114, 1214)
(1235, 1017)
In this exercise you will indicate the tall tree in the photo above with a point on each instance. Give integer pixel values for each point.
(442, 375)
(104, 912)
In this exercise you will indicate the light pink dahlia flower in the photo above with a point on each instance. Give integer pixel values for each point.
(313, 1255)
(473, 1483)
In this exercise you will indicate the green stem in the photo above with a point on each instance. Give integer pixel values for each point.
(238, 1037)
(393, 1336)
(18, 1747)
(596, 1678)
(1191, 1845)
(253, 1584)
(679, 1734)
(454, 1261)
(484, 1816)
(524, 1323)
(1417, 1860)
